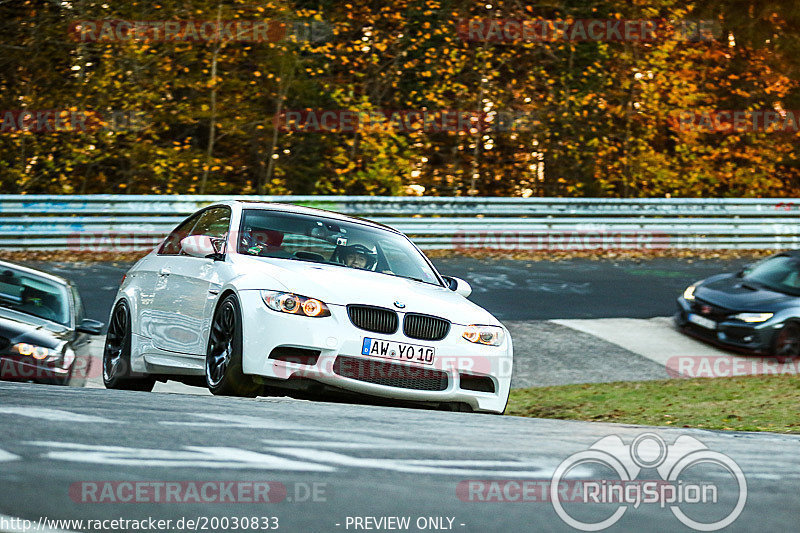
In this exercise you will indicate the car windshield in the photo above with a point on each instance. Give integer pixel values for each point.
(33, 295)
(780, 273)
(323, 240)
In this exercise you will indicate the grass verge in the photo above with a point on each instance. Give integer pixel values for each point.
(749, 403)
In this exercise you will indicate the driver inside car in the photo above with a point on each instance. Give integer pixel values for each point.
(361, 257)
(39, 303)
(356, 256)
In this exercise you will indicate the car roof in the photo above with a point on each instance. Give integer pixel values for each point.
(302, 210)
(35, 272)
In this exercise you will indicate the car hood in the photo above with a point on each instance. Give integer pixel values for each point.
(733, 292)
(343, 286)
(19, 331)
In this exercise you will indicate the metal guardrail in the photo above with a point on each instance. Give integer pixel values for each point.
(122, 222)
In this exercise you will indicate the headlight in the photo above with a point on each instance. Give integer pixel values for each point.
(753, 317)
(489, 335)
(37, 352)
(286, 302)
(688, 294)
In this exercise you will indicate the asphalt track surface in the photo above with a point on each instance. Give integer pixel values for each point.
(365, 461)
(374, 461)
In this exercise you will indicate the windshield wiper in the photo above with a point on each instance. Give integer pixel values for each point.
(419, 280)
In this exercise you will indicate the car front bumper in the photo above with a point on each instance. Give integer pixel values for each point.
(340, 364)
(756, 338)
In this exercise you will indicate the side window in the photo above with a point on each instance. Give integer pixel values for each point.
(172, 244)
(214, 223)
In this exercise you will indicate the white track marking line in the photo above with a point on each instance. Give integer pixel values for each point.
(475, 463)
(354, 445)
(189, 457)
(361, 435)
(54, 415)
(655, 339)
(233, 421)
(198, 424)
(304, 459)
(7, 456)
(76, 446)
(401, 465)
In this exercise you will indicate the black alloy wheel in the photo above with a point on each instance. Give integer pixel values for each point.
(224, 376)
(117, 354)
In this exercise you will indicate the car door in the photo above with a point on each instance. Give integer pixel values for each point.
(191, 286)
(150, 278)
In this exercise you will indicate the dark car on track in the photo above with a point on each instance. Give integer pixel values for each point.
(44, 336)
(755, 310)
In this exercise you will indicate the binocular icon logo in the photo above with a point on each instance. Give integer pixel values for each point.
(649, 451)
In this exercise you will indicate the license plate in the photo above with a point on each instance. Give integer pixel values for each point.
(702, 321)
(398, 350)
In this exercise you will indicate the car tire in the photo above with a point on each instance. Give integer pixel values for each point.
(117, 354)
(787, 343)
(224, 376)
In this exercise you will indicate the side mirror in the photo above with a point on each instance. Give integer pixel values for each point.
(458, 286)
(92, 327)
(199, 246)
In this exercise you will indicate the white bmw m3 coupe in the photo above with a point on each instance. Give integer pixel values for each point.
(257, 298)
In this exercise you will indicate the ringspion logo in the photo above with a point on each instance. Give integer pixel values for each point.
(649, 451)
